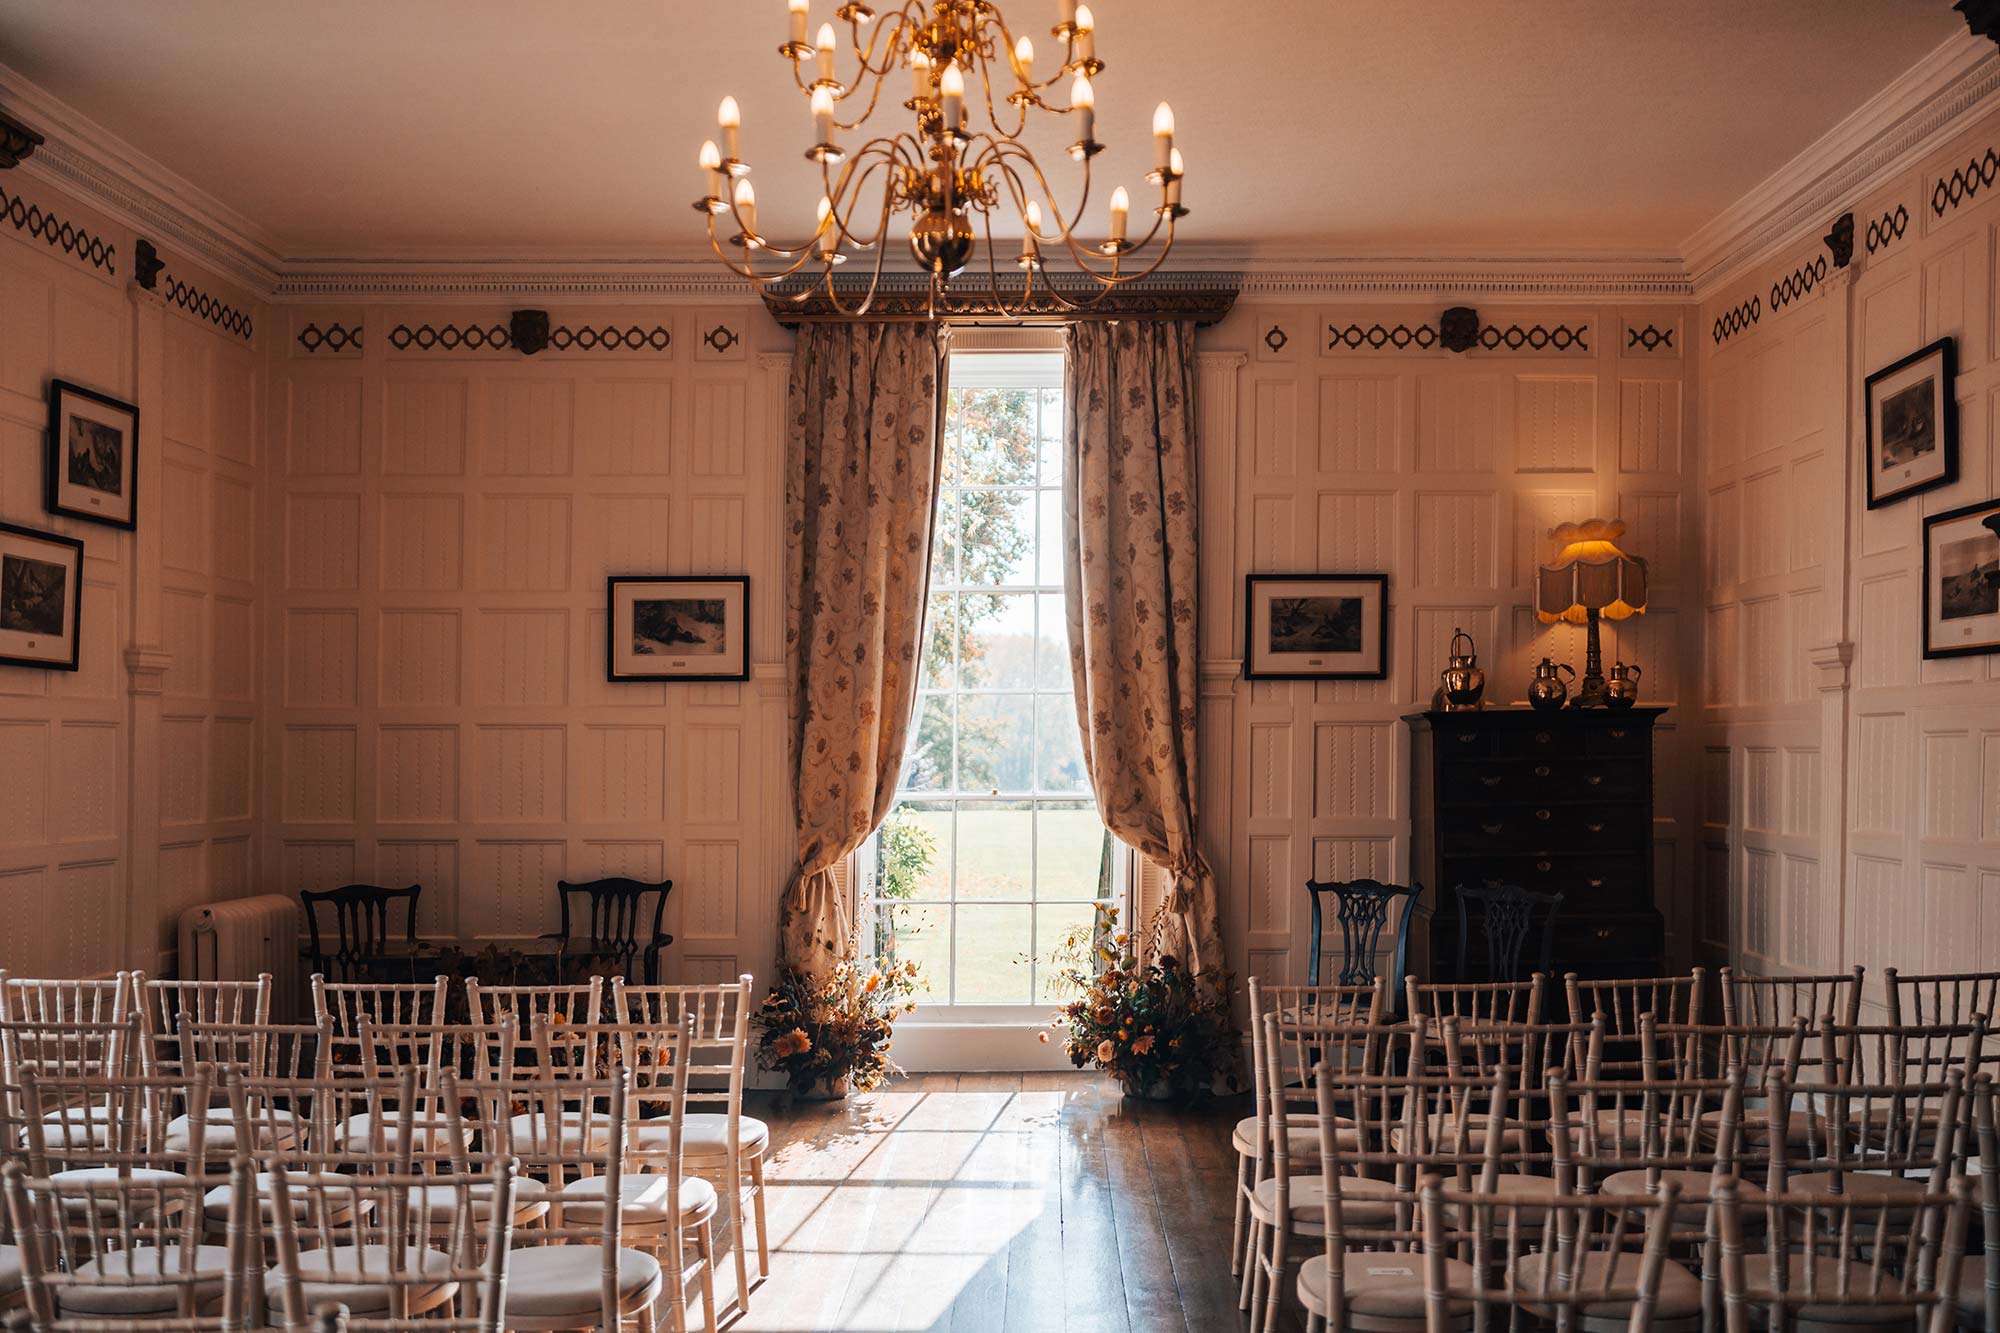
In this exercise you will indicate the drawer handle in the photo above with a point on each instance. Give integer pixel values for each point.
(1542, 866)
(1541, 770)
(1597, 884)
(1542, 815)
(1492, 828)
(1489, 781)
(1604, 932)
(1543, 737)
(1463, 738)
(1595, 779)
(1618, 733)
(1595, 828)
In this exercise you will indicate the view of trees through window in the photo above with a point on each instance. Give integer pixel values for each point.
(994, 849)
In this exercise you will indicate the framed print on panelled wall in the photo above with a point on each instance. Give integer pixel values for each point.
(93, 451)
(41, 598)
(1316, 627)
(663, 627)
(1912, 421)
(1962, 581)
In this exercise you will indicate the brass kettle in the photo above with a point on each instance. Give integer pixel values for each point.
(1461, 682)
(1622, 689)
(1547, 691)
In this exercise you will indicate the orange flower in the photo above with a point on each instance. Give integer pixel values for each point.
(1143, 1045)
(1042, 1037)
(795, 1042)
(874, 980)
(1106, 1052)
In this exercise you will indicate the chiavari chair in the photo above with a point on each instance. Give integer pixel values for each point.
(1940, 997)
(1624, 1001)
(1979, 1273)
(581, 1002)
(721, 1141)
(1841, 1263)
(166, 1007)
(1360, 1005)
(1290, 1170)
(1886, 1142)
(57, 1049)
(365, 1238)
(113, 1253)
(95, 1127)
(1594, 1264)
(1750, 1000)
(1711, 1050)
(569, 1274)
(65, 999)
(1472, 1003)
(343, 1006)
(432, 1050)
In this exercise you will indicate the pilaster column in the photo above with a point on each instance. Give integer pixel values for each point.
(146, 659)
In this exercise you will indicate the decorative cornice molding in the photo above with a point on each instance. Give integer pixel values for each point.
(1884, 135)
(1830, 661)
(1201, 296)
(1556, 279)
(146, 666)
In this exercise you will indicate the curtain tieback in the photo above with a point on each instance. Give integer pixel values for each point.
(1187, 874)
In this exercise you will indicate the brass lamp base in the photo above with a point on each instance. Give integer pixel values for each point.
(1590, 690)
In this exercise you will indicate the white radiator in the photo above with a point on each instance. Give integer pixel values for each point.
(235, 940)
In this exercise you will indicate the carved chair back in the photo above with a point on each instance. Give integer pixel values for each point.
(361, 918)
(618, 929)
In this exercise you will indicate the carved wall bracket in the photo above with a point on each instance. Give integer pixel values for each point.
(17, 142)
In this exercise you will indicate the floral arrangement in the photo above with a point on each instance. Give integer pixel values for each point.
(1154, 1025)
(829, 1035)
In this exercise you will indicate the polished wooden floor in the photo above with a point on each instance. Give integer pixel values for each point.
(977, 1203)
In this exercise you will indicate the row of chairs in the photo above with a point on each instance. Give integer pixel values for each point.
(1790, 1093)
(133, 1032)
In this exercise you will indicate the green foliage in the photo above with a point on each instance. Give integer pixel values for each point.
(908, 852)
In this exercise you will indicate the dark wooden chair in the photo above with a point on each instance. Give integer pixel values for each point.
(1506, 915)
(615, 934)
(361, 915)
(1362, 907)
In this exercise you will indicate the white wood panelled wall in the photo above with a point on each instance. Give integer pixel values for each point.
(445, 522)
(128, 789)
(1446, 471)
(1851, 790)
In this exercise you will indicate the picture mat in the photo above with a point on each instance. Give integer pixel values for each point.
(1963, 606)
(25, 599)
(712, 649)
(1362, 606)
(1890, 411)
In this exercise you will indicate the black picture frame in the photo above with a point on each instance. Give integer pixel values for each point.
(12, 537)
(736, 630)
(1260, 665)
(1970, 519)
(1944, 415)
(61, 493)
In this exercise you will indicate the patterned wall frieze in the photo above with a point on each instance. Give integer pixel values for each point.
(336, 339)
(1510, 337)
(1650, 338)
(1963, 184)
(495, 337)
(1886, 230)
(67, 237)
(1737, 319)
(1794, 286)
(1536, 338)
(205, 307)
(1378, 338)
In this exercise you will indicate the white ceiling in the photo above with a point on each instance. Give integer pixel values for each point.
(1312, 128)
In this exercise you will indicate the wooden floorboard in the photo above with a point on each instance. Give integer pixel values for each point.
(996, 1203)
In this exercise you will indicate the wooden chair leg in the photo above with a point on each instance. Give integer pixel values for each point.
(1242, 1214)
(705, 1244)
(741, 1219)
(1253, 1274)
(1273, 1289)
(763, 1234)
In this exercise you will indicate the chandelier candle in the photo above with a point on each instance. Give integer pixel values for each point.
(938, 167)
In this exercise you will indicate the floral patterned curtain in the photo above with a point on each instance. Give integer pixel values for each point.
(863, 445)
(1129, 553)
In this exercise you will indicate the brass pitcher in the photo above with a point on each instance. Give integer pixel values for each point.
(1547, 691)
(1462, 682)
(1622, 690)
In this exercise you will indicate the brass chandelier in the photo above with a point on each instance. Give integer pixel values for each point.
(950, 173)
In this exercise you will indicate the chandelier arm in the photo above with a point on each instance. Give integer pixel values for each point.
(779, 251)
(1064, 229)
(882, 28)
(885, 156)
(745, 269)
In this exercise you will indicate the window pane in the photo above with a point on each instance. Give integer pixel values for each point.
(1052, 924)
(1052, 437)
(1059, 761)
(997, 536)
(944, 540)
(1074, 849)
(997, 640)
(994, 859)
(927, 753)
(990, 437)
(940, 623)
(904, 932)
(914, 852)
(996, 742)
(1052, 667)
(993, 945)
(1049, 539)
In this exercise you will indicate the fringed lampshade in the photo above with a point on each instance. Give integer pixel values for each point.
(1591, 579)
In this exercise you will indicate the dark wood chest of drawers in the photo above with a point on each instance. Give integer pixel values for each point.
(1558, 802)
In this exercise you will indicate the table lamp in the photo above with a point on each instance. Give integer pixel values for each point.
(1590, 580)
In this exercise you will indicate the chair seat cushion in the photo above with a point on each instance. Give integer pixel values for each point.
(644, 1200)
(1870, 1185)
(74, 1127)
(1444, 1137)
(354, 1276)
(1824, 1278)
(704, 1135)
(532, 1132)
(275, 1128)
(530, 1195)
(138, 1264)
(10, 1269)
(1679, 1298)
(1696, 1187)
(1302, 1138)
(1515, 1186)
(107, 1202)
(1385, 1292)
(1363, 1203)
(427, 1131)
(552, 1282)
(216, 1203)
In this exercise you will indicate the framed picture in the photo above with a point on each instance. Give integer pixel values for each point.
(677, 628)
(1912, 425)
(93, 443)
(1316, 627)
(41, 595)
(1962, 581)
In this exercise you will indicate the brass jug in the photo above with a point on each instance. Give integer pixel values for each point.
(1547, 691)
(1462, 682)
(1622, 690)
